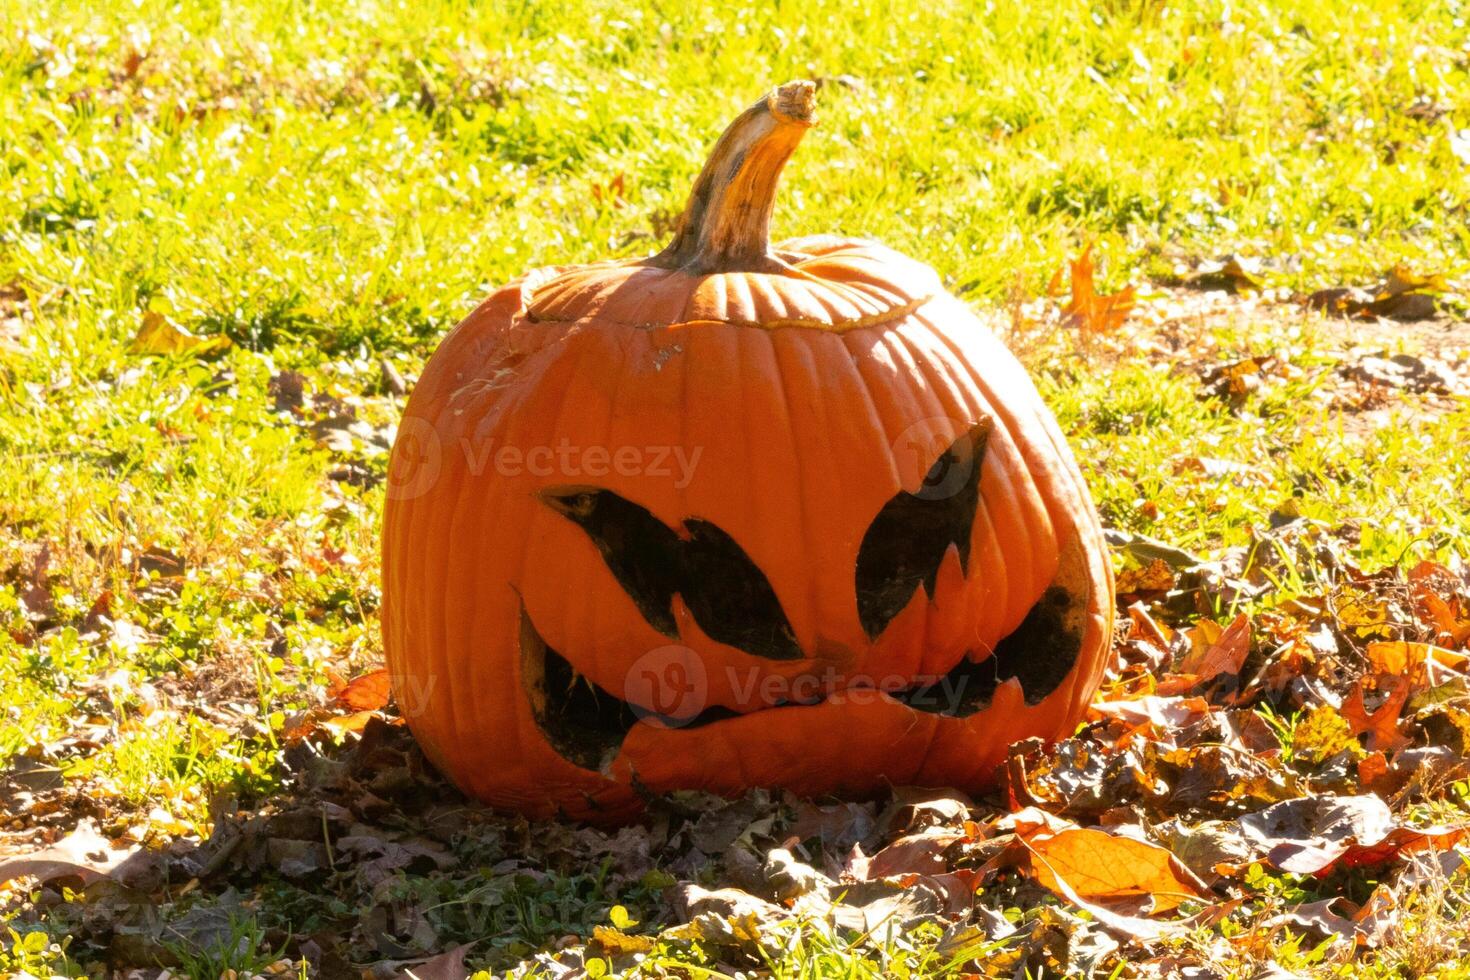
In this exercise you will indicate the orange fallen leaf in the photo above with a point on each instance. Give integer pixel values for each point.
(1434, 588)
(1374, 774)
(1090, 310)
(1447, 622)
(1382, 725)
(1398, 842)
(1096, 867)
(354, 722)
(1421, 663)
(367, 692)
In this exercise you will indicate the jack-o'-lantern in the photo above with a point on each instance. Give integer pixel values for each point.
(734, 515)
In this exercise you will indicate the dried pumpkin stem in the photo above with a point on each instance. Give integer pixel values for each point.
(726, 226)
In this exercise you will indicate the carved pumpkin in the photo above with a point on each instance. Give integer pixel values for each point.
(734, 516)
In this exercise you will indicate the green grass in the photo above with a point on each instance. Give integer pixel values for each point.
(334, 184)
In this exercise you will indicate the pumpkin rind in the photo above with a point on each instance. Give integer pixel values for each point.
(782, 410)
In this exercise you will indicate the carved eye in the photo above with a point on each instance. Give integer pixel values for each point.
(730, 598)
(1040, 654)
(906, 542)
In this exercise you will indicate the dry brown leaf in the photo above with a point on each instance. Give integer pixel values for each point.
(446, 966)
(1145, 627)
(1224, 655)
(1318, 917)
(1403, 295)
(84, 853)
(1163, 713)
(1158, 576)
(1317, 835)
(914, 854)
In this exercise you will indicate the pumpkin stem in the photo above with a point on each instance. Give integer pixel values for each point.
(726, 226)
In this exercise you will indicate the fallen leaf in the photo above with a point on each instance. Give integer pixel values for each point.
(1317, 835)
(1100, 867)
(724, 917)
(893, 904)
(1420, 663)
(921, 853)
(1403, 295)
(1435, 589)
(1088, 309)
(1406, 371)
(1322, 734)
(1382, 724)
(1230, 273)
(1207, 846)
(160, 335)
(790, 878)
(446, 966)
(84, 853)
(1396, 844)
(615, 942)
(839, 825)
(1157, 576)
(1318, 918)
(1225, 655)
(1163, 713)
(366, 692)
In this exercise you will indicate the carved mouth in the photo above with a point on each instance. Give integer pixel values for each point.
(586, 724)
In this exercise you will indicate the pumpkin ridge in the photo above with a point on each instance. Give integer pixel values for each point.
(809, 598)
(536, 316)
(1009, 433)
(960, 399)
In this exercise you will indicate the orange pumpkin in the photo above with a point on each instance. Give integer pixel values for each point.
(734, 515)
